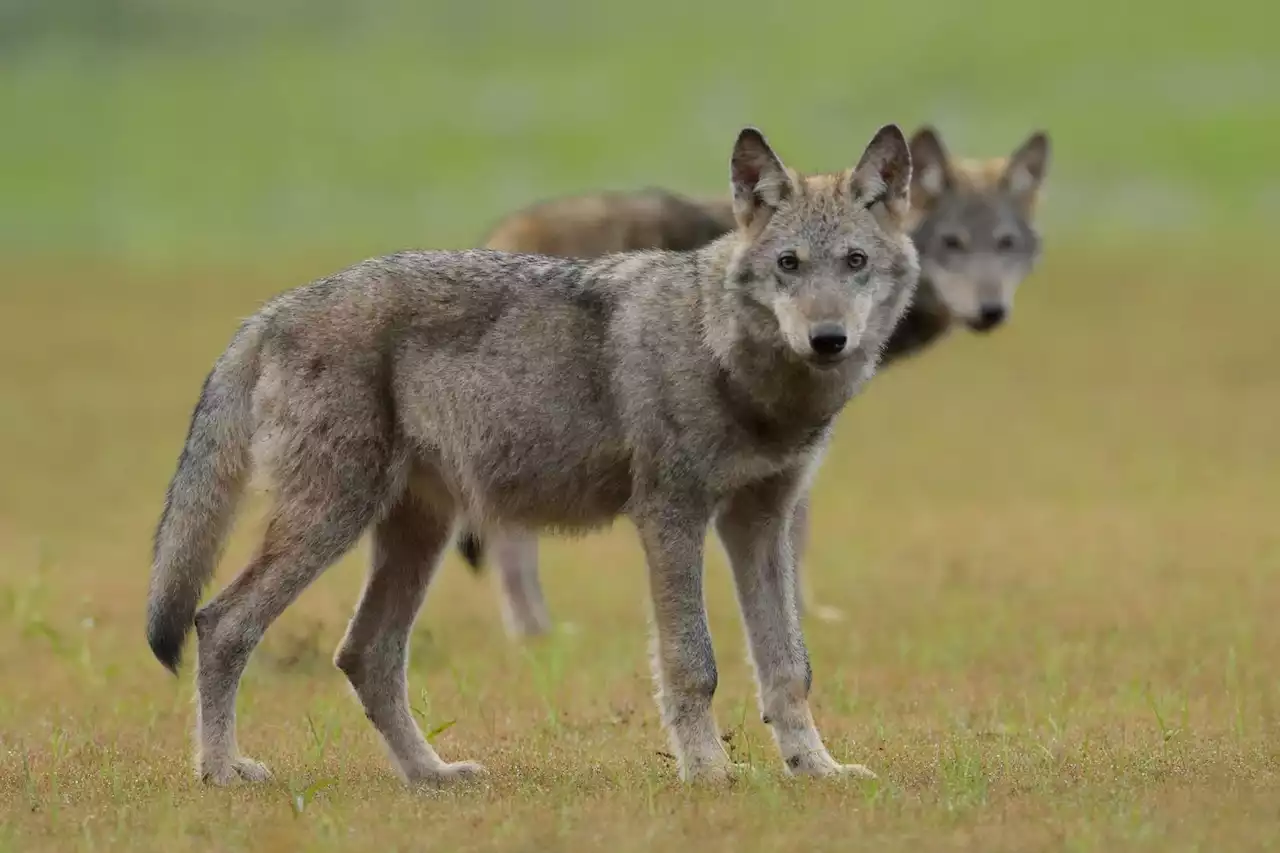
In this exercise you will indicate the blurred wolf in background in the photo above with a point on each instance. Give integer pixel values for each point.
(588, 226)
(682, 389)
(973, 222)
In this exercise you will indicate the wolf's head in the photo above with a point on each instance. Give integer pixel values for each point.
(823, 266)
(974, 225)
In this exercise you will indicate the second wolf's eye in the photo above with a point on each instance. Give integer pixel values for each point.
(857, 260)
(788, 261)
(952, 242)
(1005, 243)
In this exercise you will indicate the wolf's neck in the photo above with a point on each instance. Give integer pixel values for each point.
(925, 323)
(781, 400)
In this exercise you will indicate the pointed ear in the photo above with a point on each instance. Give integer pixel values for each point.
(884, 172)
(930, 167)
(1026, 169)
(760, 181)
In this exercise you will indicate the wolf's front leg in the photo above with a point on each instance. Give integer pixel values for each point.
(754, 529)
(683, 661)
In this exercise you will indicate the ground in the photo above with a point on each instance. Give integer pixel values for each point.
(1056, 547)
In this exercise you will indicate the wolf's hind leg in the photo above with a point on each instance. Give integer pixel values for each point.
(374, 654)
(304, 536)
(524, 608)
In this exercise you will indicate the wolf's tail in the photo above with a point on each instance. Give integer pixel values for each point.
(201, 501)
(471, 547)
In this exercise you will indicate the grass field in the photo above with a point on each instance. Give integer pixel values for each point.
(1057, 548)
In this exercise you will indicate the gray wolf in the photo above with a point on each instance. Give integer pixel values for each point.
(596, 224)
(683, 390)
(974, 226)
(972, 221)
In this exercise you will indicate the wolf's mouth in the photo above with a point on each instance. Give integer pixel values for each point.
(826, 362)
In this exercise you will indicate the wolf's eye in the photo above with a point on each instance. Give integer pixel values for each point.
(1005, 243)
(857, 260)
(952, 242)
(788, 261)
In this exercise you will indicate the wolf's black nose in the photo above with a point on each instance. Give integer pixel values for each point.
(989, 317)
(828, 339)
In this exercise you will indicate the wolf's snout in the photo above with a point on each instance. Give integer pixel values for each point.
(828, 340)
(989, 316)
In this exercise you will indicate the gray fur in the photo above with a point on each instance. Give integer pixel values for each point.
(976, 235)
(677, 389)
(984, 207)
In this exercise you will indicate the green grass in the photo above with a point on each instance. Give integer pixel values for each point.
(1056, 547)
(1056, 550)
(233, 130)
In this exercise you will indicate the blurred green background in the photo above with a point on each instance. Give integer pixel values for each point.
(1056, 545)
(190, 130)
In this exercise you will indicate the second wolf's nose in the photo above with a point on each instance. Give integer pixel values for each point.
(989, 317)
(828, 339)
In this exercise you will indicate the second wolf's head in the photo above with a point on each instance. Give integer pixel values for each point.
(823, 265)
(974, 226)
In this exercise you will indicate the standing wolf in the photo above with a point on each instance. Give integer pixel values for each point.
(679, 389)
(973, 225)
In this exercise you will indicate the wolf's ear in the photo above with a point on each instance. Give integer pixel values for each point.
(760, 181)
(1026, 169)
(884, 172)
(930, 167)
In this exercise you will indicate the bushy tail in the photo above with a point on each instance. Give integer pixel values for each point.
(202, 496)
(471, 546)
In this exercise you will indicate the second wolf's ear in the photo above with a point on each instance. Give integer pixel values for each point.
(1026, 169)
(884, 172)
(760, 181)
(930, 168)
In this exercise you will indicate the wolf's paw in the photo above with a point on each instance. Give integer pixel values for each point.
(524, 624)
(445, 775)
(855, 771)
(824, 613)
(715, 770)
(822, 764)
(239, 769)
(710, 775)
